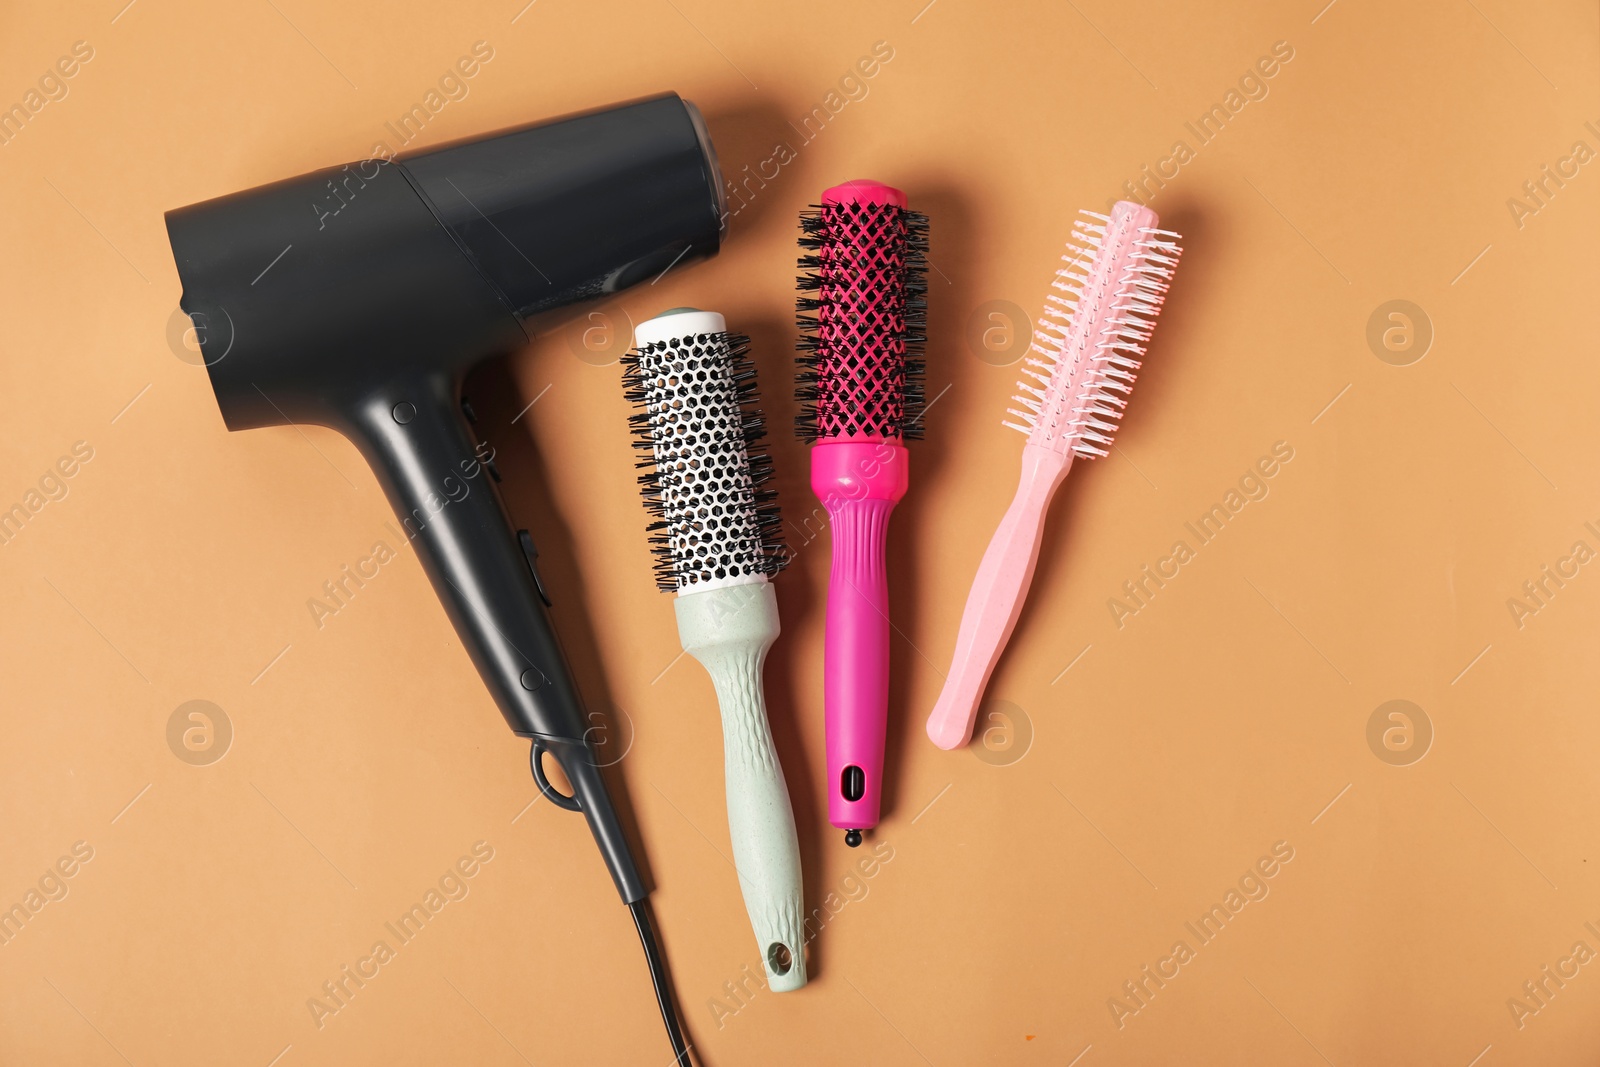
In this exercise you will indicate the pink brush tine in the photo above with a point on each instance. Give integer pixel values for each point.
(862, 381)
(1090, 340)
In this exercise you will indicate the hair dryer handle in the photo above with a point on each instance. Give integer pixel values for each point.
(995, 602)
(440, 483)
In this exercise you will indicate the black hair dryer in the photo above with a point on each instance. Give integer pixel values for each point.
(358, 297)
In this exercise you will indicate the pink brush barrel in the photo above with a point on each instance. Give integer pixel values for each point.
(859, 471)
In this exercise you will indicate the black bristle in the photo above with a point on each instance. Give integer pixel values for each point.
(769, 523)
(916, 325)
(891, 401)
(679, 563)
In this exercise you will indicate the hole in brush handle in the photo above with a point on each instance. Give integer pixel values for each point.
(779, 958)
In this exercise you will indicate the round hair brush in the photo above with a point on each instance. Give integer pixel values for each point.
(1089, 344)
(860, 387)
(716, 541)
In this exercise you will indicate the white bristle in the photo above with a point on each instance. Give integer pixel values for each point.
(1081, 394)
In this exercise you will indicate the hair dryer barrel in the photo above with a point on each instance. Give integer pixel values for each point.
(582, 206)
(437, 259)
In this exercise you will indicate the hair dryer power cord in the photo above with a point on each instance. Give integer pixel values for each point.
(640, 909)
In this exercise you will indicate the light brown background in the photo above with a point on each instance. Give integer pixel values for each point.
(1023, 892)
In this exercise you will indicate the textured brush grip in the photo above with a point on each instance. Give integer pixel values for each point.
(996, 599)
(855, 662)
(859, 483)
(729, 631)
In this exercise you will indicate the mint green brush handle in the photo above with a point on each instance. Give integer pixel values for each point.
(729, 631)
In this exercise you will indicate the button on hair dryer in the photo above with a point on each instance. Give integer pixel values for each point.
(358, 298)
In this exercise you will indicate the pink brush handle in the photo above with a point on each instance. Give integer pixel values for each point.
(996, 598)
(859, 483)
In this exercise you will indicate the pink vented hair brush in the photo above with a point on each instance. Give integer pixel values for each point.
(860, 387)
(1090, 341)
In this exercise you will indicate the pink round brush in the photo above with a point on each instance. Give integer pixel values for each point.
(1090, 341)
(860, 385)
